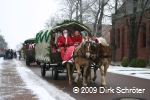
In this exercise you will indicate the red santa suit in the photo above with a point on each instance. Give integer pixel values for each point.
(62, 42)
(76, 39)
(30, 47)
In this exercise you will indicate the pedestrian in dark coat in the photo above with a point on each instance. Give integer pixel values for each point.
(11, 52)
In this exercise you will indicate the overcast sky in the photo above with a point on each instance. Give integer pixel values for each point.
(22, 19)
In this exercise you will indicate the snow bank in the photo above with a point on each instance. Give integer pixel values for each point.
(44, 90)
(130, 71)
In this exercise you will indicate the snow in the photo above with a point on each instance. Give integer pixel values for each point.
(44, 90)
(48, 91)
(1, 63)
(130, 71)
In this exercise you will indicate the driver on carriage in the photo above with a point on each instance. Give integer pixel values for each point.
(76, 38)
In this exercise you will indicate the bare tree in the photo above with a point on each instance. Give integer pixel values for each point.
(99, 17)
(134, 25)
(114, 47)
(68, 8)
(54, 19)
(3, 43)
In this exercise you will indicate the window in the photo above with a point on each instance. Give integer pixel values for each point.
(123, 36)
(118, 38)
(144, 34)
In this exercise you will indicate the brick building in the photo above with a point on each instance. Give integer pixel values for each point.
(122, 35)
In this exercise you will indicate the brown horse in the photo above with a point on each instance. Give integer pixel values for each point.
(81, 57)
(70, 69)
(102, 60)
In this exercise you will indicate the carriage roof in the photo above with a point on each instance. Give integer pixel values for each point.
(71, 26)
(30, 40)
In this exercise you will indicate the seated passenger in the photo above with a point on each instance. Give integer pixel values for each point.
(30, 46)
(64, 41)
(76, 38)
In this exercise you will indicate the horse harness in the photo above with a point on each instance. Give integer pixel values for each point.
(101, 55)
(83, 55)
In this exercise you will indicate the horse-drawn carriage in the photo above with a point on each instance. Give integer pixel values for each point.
(29, 51)
(47, 53)
(49, 56)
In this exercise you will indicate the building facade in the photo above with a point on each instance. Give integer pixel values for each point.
(122, 34)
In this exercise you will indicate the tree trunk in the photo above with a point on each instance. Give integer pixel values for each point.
(95, 23)
(131, 36)
(99, 28)
(80, 2)
(77, 8)
(114, 47)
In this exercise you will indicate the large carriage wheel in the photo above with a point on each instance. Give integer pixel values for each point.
(27, 62)
(55, 73)
(43, 70)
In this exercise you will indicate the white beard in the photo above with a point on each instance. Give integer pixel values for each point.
(65, 35)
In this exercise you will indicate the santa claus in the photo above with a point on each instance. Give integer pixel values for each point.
(64, 41)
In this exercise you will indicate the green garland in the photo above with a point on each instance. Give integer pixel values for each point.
(42, 35)
(70, 21)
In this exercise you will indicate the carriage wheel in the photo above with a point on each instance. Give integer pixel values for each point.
(27, 61)
(54, 73)
(43, 70)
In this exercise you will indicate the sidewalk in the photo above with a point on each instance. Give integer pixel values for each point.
(11, 85)
(18, 82)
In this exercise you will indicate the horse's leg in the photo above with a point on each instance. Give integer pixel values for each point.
(105, 68)
(89, 74)
(79, 73)
(95, 75)
(72, 70)
(69, 74)
(103, 82)
(84, 75)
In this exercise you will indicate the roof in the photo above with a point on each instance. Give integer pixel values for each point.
(128, 6)
(30, 40)
(72, 26)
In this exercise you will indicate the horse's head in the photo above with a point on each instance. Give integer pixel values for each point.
(87, 46)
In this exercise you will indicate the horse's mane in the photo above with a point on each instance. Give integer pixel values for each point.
(103, 41)
(81, 44)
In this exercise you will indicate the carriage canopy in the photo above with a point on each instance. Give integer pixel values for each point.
(29, 40)
(71, 26)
